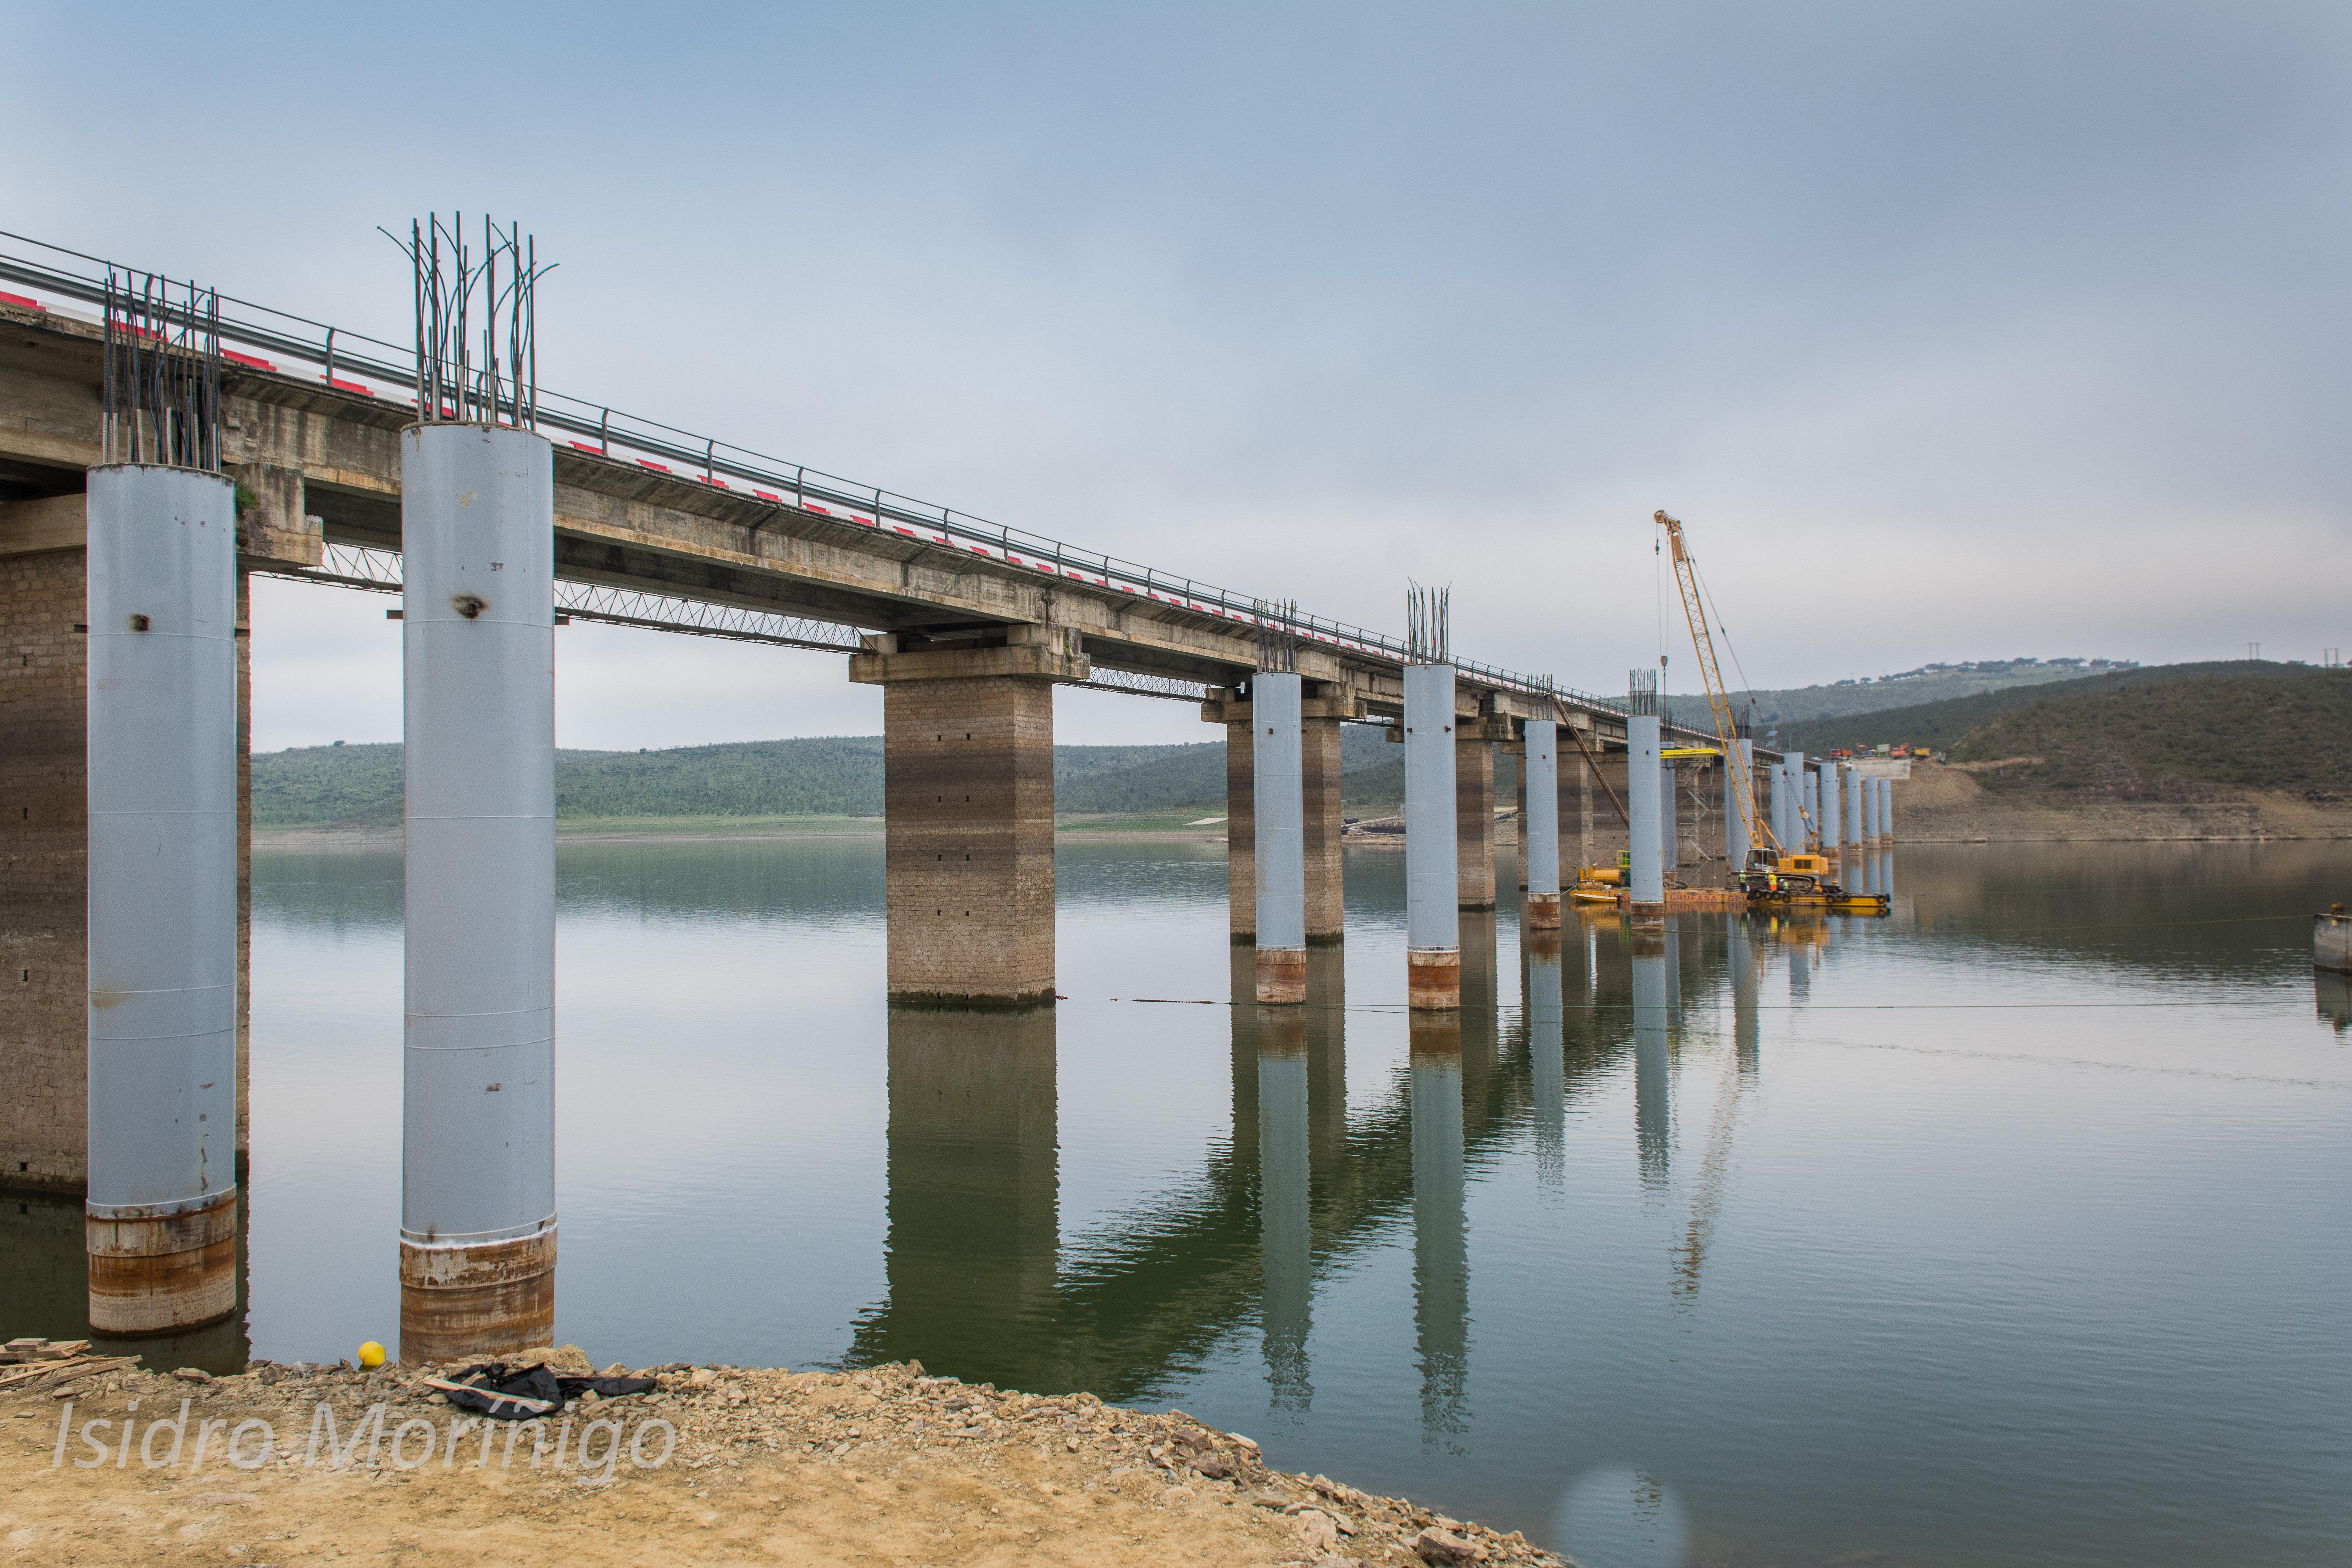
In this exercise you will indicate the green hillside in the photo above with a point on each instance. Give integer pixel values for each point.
(2242, 726)
(2165, 730)
(1908, 688)
(828, 776)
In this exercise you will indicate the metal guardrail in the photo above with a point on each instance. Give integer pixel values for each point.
(652, 444)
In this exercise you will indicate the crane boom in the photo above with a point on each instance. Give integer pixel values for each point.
(1718, 700)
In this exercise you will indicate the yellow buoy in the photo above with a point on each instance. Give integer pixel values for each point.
(371, 1354)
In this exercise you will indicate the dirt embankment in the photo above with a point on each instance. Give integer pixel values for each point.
(1962, 804)
(722, 1465)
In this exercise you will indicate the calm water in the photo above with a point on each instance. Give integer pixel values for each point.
(2009, 1229)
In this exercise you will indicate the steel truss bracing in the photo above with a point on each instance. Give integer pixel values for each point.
(378, 571)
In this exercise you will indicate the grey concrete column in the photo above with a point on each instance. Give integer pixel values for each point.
(1809, 802)
(1856, 830)
(1441, 1253)
(1783, 793)
(478, 1236)
(1642, 800)
(1280, 869)
(1285, 1299)
(1583, 813)
(1432, 936)
(1473, 815)
(1327, 906)
(1540, 822)
(159, 1225)
(1241, 821)
(1833, 809)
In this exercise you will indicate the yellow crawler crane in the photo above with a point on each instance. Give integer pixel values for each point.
(1770, 876)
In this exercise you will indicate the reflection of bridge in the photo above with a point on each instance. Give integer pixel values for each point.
(980, 1284)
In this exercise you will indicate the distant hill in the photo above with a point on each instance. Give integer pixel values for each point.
(2242, 726)
(360, 785)
(1908, 688)
(2171, 731)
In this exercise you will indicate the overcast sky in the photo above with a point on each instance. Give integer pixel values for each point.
(1951, 330)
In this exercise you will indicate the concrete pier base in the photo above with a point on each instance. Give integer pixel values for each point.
(1281, 975)
(1433, 979)
(1543, 911)
(476, 1298)
(152, 1273)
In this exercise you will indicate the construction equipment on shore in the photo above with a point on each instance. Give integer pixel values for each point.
(1770, 877)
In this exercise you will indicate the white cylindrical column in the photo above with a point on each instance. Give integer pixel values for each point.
(478, 1113)
(1540, 837)
(1857, 831)
(1647, 850)
(1833, 802)
(1735, 810)
(1669, 833)
(1886, 810)
(1433, 932)
(160, 1225)
(1278, 801)
(1782, 794)
(1812, 800)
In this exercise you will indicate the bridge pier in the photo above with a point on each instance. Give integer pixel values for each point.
(161, 1206)
(968, 797)
(1539, 824)
(1433, 937)
(1320, 717)
(1643, 796)
(478, 1231)
(1280, 862)
(1734, 819)
(1670, 845)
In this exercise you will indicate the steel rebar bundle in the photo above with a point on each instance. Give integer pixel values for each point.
(161, 373)
(1277, 644)
(1429, 615)
(460, 292)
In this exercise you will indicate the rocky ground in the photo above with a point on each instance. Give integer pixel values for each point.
(880, 1466)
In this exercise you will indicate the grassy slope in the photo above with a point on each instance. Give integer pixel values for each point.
(2173, 731)
(2237, 726)
(1799, 705)
(829, 776)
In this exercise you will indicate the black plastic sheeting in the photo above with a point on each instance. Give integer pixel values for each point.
(487, 1380)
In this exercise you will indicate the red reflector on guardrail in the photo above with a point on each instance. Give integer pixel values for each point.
(768, 495)
(234, 358)
(649, 463)
(713, 479)
(8, 298)
(588, 447)
(340, 385)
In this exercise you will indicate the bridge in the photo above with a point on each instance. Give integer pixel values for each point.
(956, 617)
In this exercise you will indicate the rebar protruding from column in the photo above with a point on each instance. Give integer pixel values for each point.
(1642, 800)
(1540, 838)
(1279, 802)
(1431, 897)
(161, 1210)
(492, 378)
(478, 1113)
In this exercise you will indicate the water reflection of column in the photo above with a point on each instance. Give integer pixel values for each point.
(1286, 1290)
(1800, 970)
(1327, 1055)
(1480, 1035)
(1546, 1083)
(1886, 871)
(1441, 1259)
(1744, 1023)
(973, 1203)
(1674, 972)
(1653, 1128)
